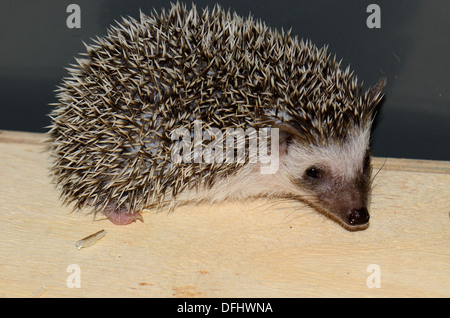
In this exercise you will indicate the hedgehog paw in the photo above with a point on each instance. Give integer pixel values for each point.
(120, 215)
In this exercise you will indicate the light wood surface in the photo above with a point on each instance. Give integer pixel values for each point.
(252, 249)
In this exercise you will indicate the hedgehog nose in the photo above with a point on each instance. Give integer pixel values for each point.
(358, 216)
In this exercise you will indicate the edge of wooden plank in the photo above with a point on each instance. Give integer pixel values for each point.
(21, 137)
(400, 164)
(413, 165)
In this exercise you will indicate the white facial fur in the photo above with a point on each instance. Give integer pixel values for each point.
(343, 159)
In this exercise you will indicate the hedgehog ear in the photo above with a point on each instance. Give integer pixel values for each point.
(375, 93)
(287, 132)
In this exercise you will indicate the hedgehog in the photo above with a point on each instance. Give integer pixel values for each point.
(111, 136)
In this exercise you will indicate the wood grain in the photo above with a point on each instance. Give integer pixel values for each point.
(248, 249)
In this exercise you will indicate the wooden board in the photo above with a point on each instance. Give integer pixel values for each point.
(252, 249)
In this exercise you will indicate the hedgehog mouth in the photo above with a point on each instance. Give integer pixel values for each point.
(353, 219)
(350, 219)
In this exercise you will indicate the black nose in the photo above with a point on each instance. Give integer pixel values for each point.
(358, 216)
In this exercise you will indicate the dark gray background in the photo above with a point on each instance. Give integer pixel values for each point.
(412, 49)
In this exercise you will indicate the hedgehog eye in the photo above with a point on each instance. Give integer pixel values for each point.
(314, 173)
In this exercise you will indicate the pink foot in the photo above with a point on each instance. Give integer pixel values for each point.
(121, 216)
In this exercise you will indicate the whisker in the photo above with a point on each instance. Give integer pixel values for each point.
(373, 178)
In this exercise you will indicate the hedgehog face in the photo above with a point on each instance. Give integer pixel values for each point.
(335, 179)
(345, 198)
